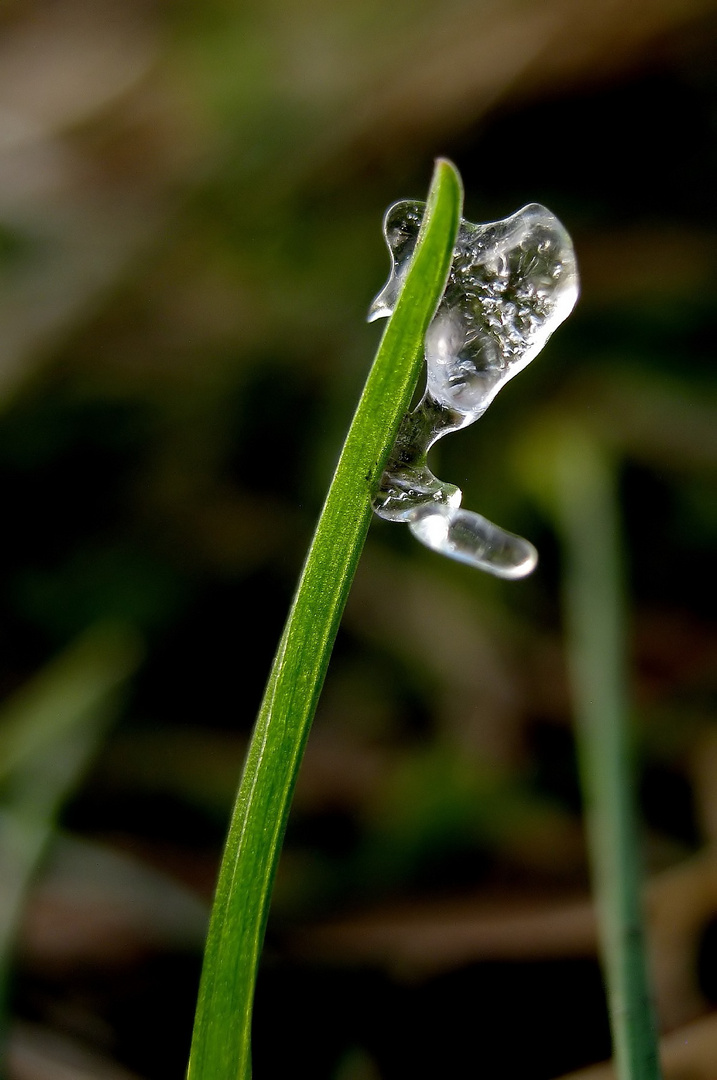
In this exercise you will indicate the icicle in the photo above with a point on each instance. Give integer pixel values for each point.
(512, 282)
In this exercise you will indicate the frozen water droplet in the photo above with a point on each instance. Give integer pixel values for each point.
(511, 283)
(474, 540)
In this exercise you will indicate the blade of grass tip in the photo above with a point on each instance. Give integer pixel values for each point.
(587, 509)
(48, 731)
(222, 1029)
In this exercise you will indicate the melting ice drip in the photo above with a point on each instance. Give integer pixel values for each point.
(511, 284)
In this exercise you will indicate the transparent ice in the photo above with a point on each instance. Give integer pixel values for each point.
(511, 283)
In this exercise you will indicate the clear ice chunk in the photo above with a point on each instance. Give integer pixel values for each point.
(511, 283)
(470, 538)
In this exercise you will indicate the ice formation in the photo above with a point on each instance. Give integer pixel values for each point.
(511, 283)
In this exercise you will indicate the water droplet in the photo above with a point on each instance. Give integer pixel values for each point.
(472, 539)
(511, 283)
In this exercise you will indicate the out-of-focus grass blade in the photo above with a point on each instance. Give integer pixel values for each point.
(577, 482)
(221, 1043)
(48, 732)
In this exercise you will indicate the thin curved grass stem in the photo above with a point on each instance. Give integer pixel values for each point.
(221, 1041)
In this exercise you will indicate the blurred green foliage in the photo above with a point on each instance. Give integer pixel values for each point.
(190, 207)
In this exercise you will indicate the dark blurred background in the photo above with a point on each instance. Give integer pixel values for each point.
(191, 197)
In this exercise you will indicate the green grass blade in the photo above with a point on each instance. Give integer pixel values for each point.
(221, 1042)
(48, 732)
(578, 483)
(594, 606)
